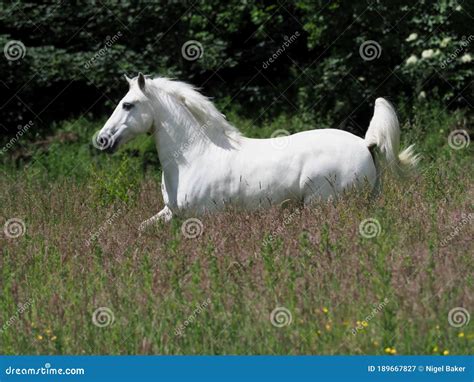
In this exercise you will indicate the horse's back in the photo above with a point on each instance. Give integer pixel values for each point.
(324, 150)
(315, 162)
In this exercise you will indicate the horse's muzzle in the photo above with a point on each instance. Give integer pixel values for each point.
(107, 143)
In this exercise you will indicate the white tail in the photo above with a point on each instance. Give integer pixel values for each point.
(384, 133)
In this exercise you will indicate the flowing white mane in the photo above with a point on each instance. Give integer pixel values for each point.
(201, 107)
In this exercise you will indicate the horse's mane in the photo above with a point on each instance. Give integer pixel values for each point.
(198, 105)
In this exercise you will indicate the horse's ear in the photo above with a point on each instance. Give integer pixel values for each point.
(129, 80)
(141, 81)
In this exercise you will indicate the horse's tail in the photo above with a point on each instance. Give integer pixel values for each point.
(384, 134)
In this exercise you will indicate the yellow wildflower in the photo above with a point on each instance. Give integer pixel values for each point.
(325, 310)
(39, 337)
(390, 350)
(461, 335)
(446, 352)
(365, 324)
(435, 349)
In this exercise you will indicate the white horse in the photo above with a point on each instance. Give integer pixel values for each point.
(207, 164)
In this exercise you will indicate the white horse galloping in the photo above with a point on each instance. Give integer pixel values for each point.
(207, 164)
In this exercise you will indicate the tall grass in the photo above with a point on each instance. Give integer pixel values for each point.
(342, 292)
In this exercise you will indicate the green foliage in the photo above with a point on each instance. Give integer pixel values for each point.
(75, 55)
(117, 185)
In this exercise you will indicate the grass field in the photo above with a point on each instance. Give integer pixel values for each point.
(79, 279)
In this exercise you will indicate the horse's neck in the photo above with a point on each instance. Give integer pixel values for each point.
(180, 139)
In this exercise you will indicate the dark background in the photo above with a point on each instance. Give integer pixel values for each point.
(320, 74)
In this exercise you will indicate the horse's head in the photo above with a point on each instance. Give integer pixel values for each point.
(132, 116)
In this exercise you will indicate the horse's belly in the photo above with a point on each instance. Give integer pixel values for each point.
(252, 188)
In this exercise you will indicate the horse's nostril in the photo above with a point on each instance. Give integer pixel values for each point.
(103, 141)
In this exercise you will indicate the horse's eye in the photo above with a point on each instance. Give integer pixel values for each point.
(127, 106)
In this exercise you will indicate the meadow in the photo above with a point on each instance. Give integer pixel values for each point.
(390, 274)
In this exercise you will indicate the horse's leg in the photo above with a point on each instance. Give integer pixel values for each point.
(164, 215)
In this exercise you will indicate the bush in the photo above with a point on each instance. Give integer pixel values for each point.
(299, 57)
